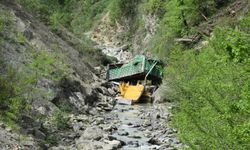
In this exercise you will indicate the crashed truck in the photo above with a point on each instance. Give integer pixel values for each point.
(137, 79)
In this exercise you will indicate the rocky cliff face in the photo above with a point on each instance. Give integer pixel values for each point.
(120, 40)
(65, 81)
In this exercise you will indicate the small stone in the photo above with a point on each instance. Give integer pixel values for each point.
(92, 133)
(129, 124)
(111, 92)
(115, 144)
(135, 136)
(2, 125)
(123, 133)
(27, 143)
(42, 110)
(109, 108)
(136, 125)
(147, 123)
(110, 137)
(78, 126)
(154, 141)
(133, 143)
(8, 129)
(158, 116)
(99, 120)
(39, 134)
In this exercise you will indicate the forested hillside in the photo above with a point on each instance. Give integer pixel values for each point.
(205, 45)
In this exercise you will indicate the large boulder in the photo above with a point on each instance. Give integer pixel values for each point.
(90, 139)
(92, 133)
(159, 95)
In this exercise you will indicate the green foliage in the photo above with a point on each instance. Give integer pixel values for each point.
(14, 88)
(155, 7)
(236, 43)
(86, 14)
(77, 16)
(49, 65)
(51, 139)
(179, 19)
(5, 23)
(59, 120)
(43, 9)
(122, 8)
(212, 90)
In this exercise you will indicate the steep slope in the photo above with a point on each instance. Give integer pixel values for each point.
(43, 80)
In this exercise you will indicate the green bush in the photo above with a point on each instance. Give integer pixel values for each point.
(48, 64)
(179, 19)
(87, 14)
(43, 9)
(59, 120)
(122, 8)
(13, 94)
(155, 7)
(212, 88)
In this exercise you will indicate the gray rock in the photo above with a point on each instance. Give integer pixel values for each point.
(125, 47)
(155, 141)
(89, 145)
(129, 124)
(8, 129)
(111, 92)
(112, 145)
(79, 118)
(123, 133)
(78, 126)
(135, 136)
(2, 125)
(39, 134)
(159, 95)
(108, 108)
(109, 128)
(92, 133)
(98, 120)
(137, 125)
(164, 147)
(133, 144)
(110, 137)
(158, 116)
(147, 123)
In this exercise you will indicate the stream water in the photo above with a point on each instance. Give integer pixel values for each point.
(129, 131)
(143, 127)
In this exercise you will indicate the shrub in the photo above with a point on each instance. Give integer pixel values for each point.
(59, 120)
(212, 89)
(122, 8)
(155, 7)
(13, 94)
(48, 64)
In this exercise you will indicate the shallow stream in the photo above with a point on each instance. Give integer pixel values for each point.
(129, 131)
(143, 127)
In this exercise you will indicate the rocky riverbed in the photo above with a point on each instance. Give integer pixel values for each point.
(126, 127)
(144, 126)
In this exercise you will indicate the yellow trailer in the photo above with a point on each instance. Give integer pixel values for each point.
(131, 92)
(139, 69)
